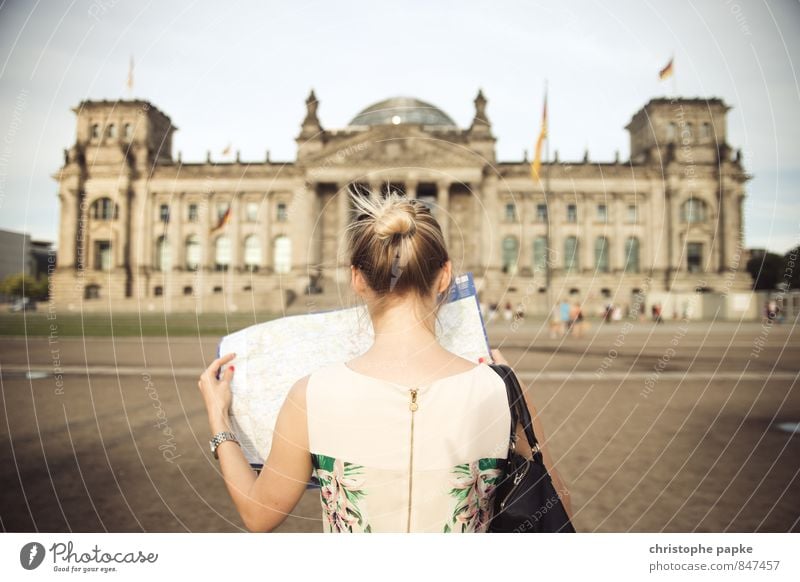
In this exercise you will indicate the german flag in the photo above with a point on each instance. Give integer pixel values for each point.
(667, 71)
(224, 219)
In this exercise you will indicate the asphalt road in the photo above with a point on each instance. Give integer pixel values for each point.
(655, 428)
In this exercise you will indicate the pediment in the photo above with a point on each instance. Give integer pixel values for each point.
(394, 147)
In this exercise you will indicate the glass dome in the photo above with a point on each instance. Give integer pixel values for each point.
(402, 110)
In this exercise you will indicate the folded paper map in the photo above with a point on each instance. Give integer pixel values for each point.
(272, 356)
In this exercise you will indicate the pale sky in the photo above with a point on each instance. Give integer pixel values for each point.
(239, 72)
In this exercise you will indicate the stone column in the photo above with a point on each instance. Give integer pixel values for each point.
(301, 223)
(411, 188)
(443, 210)
(343, 211)
(233, 232)
(617, 255)
(523, 213)
(586, 235)
(68, 223)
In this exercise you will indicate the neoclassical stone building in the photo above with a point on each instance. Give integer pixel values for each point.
(143, 229)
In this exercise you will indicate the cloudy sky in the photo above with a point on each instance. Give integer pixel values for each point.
(240, 75)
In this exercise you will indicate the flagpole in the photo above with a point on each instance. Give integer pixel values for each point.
(547, 274)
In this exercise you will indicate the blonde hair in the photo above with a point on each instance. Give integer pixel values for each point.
(397, 245)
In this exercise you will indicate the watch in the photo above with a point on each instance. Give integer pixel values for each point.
(220, 438)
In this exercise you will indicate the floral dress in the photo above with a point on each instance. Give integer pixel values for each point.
(394, 458)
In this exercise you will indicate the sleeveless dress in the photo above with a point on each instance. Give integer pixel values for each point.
(393, 458)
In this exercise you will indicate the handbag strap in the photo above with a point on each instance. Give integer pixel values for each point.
(517, 406)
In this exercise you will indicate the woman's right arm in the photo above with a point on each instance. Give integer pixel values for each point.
(524, 448)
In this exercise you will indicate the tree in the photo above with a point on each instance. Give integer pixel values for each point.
(766, 270)
(21, 285)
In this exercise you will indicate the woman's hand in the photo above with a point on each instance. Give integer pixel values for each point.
(217, 393)
(499, 358)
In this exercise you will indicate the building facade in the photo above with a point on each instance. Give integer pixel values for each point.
(143, 230)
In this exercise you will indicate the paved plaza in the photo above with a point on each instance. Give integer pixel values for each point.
(674, 427)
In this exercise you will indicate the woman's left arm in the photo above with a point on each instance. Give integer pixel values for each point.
(263, 500)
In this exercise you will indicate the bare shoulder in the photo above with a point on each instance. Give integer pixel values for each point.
(297, 393)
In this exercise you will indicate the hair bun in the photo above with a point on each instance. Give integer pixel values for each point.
(396, 221)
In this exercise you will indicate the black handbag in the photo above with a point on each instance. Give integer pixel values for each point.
(525, 499)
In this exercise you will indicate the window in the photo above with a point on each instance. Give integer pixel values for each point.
(282, 254)
(91, 292)
(572, 213)
(158, 290)
(188, 290)
(112, 131)
(672, 131)
(605, 292)
(95, 131)
(632, 215)
(510, 254)
(192, 213)
(251, 211)
(694, 210)
(222, 209)
(694, 257)
(541, 213)
(571, 262)
(602, 213)
(222, 253)
(632, 255)
(280, 212)
(705, 131)
(128, 131)
(163, 213)
(252, 252)
(193, 252)
(511, 212)
(218, 289)
(686, 132)
(162, 262)
(539, 254)
(102, 255)
(601, 254)
(104, 209)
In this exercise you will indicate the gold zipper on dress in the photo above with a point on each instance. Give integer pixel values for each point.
(413, 407)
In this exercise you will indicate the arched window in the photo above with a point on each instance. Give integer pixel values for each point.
(193, 252)
(539, 254)
(672, 131)
(694, 210)
(571, 262)
(282, 254)
(95, 131)
(705, 131)
(112, 131)
(162, 262)
(510, 254)
(222, 253)
(128, 131)
(104, 209)
(252, 252)
(601, 254)
(632, 255)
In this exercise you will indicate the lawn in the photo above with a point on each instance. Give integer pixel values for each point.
(128, 324)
